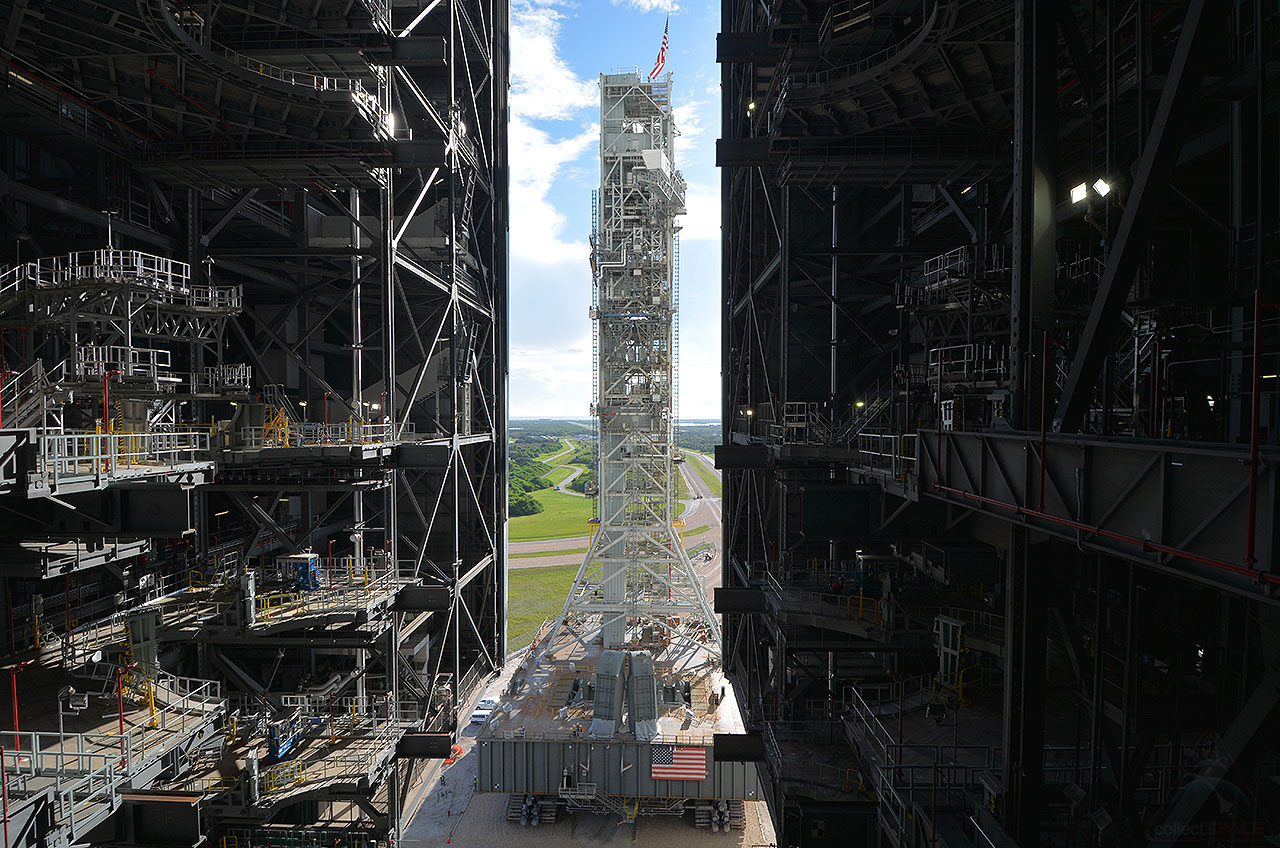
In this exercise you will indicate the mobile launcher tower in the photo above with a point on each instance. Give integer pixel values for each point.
(617, 704)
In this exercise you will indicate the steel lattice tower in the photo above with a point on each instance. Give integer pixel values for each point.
(636, 582)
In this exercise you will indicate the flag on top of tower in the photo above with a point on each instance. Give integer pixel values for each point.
(662, 54)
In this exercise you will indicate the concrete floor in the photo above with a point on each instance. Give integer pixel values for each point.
(451, 814)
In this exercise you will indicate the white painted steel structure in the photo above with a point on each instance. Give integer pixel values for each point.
(636, 584)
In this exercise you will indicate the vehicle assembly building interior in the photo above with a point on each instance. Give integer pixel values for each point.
(1001, 430)
(252, 386)
(1000, 356)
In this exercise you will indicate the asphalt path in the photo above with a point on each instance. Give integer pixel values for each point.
(703, 508)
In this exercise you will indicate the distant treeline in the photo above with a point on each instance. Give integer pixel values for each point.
(700, 439)
(531, 439)
(526, 474)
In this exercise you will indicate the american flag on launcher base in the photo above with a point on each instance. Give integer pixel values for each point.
(662, 54)
(672, 763)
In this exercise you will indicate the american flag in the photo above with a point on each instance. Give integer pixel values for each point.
(662, 54)
(672, 763)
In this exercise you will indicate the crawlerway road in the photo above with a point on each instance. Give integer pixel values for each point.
(574, 471)
(702, 509)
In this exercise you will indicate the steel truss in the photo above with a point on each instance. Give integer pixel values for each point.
(305, 245)
(636, 576)
(951, 230)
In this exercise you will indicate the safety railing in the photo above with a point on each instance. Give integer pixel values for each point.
(361, 758)
(304, 433)
(96, 360)
(803, 767)
(214, 378)
(88, 770)
(351, 712)
(558, 734)
(166, 280)
(804, 424)
(855, 605)
(194, 26)
(893, 454)
(965, 263)
(32, 397)
(93, 265)
(354, 591)
(66, 458)
(969, 362)
(84, 641)
(876, 696)
(963, 680)
(879, 58)
(843, 15)
(83, 796)
(979, 622)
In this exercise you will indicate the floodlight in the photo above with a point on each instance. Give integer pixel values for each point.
(1079, 193)
(1102, 187)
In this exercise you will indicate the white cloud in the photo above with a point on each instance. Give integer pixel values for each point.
(702, 216)
(542, 84)
(551, 382)
(537, 161)
(689, 123)
(649, 5)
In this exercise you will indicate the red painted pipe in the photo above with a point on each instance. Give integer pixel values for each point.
(1144, 544)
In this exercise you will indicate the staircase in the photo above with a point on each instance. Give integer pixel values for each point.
(34, 397)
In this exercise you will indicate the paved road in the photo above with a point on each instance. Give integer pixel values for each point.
(574, 470)
(703, 509)
(707, 511)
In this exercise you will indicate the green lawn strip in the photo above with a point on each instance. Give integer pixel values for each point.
(562, 516)
(534, 595)
(708, 476)
(563, 552)
(682, 485)
(556, 476)
(695, 531)
(559, 447)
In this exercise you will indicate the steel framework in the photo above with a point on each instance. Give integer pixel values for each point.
(635, 573)
(255, 308)
(999, 330)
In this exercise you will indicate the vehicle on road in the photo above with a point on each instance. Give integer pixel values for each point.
(483, 710)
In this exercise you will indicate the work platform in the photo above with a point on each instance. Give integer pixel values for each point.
(542, 727)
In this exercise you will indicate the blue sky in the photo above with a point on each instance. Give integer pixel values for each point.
(558, 50)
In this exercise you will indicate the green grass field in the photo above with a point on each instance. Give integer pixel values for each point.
(696, 530)
(563, 516)
(708, 477)
(556, 476)
(534, 595)
(562, 552)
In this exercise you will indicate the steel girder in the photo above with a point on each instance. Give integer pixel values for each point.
(1177, 507)
(367, 148)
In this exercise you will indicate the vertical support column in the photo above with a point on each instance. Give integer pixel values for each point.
(1034, 226)
(1026, 611)
(387, 283)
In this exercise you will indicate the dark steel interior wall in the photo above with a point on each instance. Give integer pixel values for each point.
(913, 298)
(345, 235)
